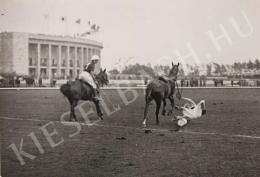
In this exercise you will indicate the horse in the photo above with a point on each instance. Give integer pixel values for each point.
(159, 90)
(218, 81)
(102, 78)
(78, 90)
(29, 80)
(14, 82)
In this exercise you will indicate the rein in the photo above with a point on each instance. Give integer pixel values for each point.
(180, 93)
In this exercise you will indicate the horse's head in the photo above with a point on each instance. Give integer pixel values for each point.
(174, 71)
(102, 77)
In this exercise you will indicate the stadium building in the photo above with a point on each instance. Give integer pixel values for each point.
(45, 56)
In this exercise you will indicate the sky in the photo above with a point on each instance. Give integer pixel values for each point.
(147, 31)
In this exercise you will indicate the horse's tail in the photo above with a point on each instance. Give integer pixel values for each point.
(65, 89)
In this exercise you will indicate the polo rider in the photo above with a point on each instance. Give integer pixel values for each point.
(191, 110)
(87, 75)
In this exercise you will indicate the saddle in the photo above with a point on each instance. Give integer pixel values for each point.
(164, 79)
(168, 85)
(87, 84)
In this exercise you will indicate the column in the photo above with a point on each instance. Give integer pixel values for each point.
(86, 57)
(75, 62)
(93, 52)
(82, 58)
(49, 63)
(99, 63)
(59, 61)
(99, 54)
(38, 67)
(67, 61)
(89, 54)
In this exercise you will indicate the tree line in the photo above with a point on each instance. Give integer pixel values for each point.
(193, 70)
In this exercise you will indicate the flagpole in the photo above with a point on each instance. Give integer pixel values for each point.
(78, 22)
(47, 18)
(64, 25)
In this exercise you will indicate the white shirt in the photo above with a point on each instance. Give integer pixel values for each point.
(86, 77)
(192, 110)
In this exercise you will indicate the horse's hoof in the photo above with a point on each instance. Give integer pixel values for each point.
(157, 123)
(100, 115)
(144, 125)
(164, 113)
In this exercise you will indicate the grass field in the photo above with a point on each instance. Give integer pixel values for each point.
(226, 142)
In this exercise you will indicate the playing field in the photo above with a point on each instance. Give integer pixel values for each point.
(226, 142)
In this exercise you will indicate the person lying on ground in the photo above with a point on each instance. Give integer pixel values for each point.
(190, 110)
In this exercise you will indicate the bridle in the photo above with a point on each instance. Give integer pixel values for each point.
(101, 81)
(177, 86)
(179, 92)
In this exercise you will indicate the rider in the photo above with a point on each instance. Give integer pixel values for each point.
(192, 110)
(87, 75)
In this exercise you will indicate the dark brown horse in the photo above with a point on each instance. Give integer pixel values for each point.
(78, 90)
(159, 90)
(102, 79)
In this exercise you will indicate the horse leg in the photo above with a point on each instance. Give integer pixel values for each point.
(164, 105)
(172, 105)
(75, 104)
(158, 105)
(72, 110)
(99, 112)
(148, 101)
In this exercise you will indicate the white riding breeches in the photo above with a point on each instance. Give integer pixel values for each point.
(86, 77)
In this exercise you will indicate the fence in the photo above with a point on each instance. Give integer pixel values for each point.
(140, 83)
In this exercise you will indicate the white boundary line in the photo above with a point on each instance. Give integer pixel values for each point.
(139, 129)
(121, 88)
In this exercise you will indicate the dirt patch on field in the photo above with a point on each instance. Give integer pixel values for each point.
(117, 146)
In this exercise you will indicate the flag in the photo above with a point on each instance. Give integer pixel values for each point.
(63, 19)
(97, 28)
(78, 21)
(93, 27)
